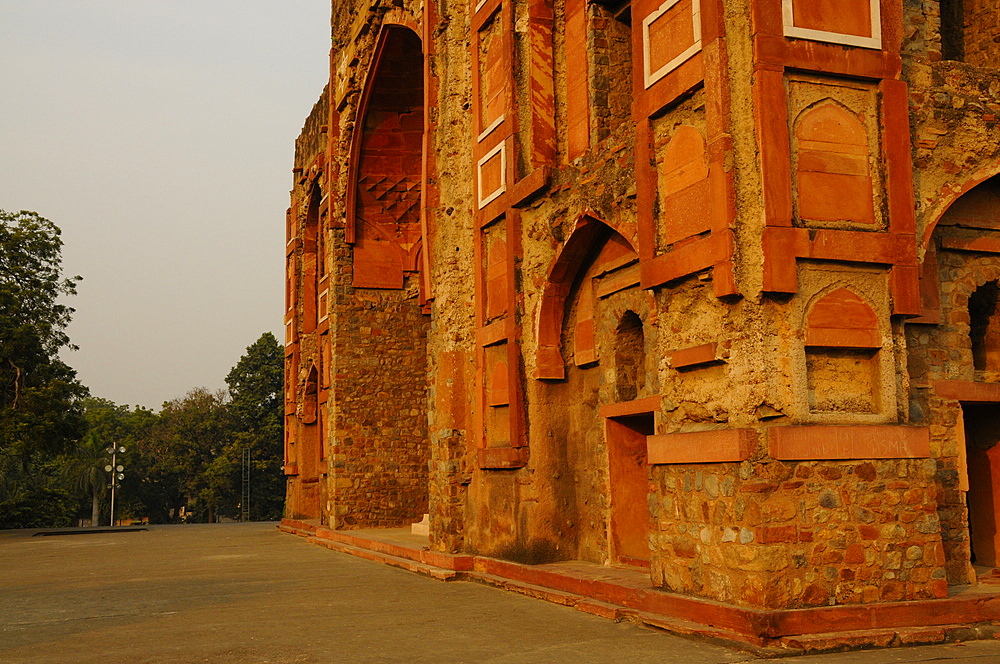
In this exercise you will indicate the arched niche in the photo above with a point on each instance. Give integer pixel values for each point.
(630, 357)
(312, 260)
(310, 397)
(842, 343)
(384, 198)
(684, 186)
(984, 328)
(971, 222)
(592, 241)
(832, 173)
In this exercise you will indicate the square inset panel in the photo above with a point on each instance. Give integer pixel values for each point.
(491, 169)
(848, 22)
(670, 36)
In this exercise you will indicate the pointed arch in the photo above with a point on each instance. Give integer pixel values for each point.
(589, 236)
(949, 197)
(832, 172)
(842, 319)
(386, 165)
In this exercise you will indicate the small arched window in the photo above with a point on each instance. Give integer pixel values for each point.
(310, 399)
(630, 357)
(984, 327)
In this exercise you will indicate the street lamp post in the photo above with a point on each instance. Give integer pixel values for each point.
(115, 469)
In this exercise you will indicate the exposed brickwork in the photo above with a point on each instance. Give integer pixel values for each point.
(379, 447)
(668, 289)
(805, 534)
(981, 39)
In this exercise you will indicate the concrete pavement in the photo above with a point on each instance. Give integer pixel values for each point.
(242, 593)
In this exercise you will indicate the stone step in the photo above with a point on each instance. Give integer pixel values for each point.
(887, 637)
(439, 573)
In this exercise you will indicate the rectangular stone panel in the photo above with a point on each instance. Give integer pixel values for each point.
(800, 443)
(849, 22)
(491, 171)
(670, 35)
(493, 75)
(718, 446)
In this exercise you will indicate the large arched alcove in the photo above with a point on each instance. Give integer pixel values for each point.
(957, 343)
(379, 445)
(385, 194)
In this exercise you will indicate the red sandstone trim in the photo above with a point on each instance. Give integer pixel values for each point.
(968, 390)
(626, 408)
(616, 593)
(719, 446)
(849, 442)
(691, 357)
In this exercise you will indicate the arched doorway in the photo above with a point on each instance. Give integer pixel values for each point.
(593, 335)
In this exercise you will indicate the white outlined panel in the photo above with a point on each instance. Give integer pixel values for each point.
(489, 130)
(323, 301)
(485, 197)
(653, 76)
(875, 41)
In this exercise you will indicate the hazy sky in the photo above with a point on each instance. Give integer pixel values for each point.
(159, 135)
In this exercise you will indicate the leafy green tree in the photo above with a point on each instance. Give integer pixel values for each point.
(191, 433)
(255, 389)
(39, 394)
(31, 494)
(84, 465)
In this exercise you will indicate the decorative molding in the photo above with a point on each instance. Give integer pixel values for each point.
(486, 197)
(652, 77)
(873, 42)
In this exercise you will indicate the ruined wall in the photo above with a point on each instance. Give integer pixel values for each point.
(953, 109)
(683, 312)
(305, 422)
(379, 448)
(784, 535)
(940, 353)
(954, 106)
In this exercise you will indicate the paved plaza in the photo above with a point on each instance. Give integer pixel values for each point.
(245, 593)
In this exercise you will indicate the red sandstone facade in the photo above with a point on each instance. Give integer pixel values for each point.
(703, 287)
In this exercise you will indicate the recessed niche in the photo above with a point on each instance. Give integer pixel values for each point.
(843, 380)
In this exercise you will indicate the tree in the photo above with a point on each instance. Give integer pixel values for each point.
(255, 390)
(84, 465)
(32, 494)
(190, 434)
(39, 395)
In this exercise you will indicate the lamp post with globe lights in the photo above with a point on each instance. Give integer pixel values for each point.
(115, 469)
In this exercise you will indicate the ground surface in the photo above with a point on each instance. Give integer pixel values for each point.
(238, 593)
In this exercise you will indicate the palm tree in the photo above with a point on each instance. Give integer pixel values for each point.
(84, 470)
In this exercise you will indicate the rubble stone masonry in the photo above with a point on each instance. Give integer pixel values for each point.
(702, 288)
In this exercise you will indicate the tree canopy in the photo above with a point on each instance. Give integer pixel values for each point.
(255, 390)
(184, 462)
(39, 394)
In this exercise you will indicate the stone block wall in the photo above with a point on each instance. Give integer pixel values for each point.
(666, 291)
(784, 535)
(379, 444)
